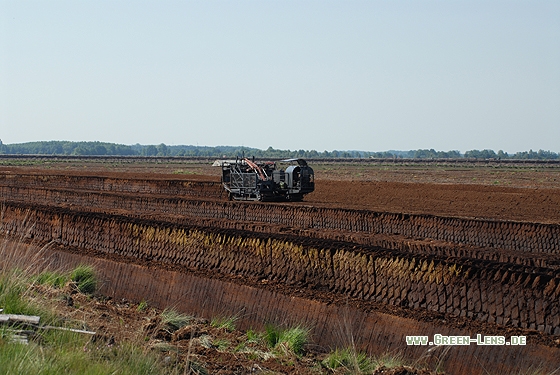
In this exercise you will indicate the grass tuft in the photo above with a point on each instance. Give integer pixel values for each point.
(221, 344)
(224, 323)
(14, 290)
(390, 360)
(51, 278)
(172, 320)
(142, 306)
(84, 277)
(252, 336)
(352, 361)
(288, 340)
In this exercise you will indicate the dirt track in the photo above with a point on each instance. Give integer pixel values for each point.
(479, 255)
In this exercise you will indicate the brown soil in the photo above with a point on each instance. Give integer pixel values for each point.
(527, 193)
(476, 201)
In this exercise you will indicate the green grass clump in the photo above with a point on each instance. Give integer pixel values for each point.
(14, 290)
(252, 336)
(359, 363)
(85, 279)
(11, 295)
(390, 360)
(142, 306)
(288, 340)
(352, 361)
(171, 320)
(225, 323)
(51, 278)
(221, 344)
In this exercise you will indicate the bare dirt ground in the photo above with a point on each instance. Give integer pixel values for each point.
(500, 192)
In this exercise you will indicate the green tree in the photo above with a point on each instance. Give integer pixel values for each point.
(502, 155)
(162, 150)
(150, 150)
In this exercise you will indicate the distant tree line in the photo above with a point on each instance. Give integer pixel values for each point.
(66, 148)
(490, 154)
(112, 149)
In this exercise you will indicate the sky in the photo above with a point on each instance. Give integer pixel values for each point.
(313, 75)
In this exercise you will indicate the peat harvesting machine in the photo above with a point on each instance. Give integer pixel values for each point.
(245, 179)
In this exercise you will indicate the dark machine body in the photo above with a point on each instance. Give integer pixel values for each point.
(244, 179)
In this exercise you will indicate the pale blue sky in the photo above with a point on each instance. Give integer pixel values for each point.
(323, 75)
